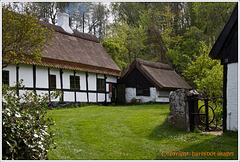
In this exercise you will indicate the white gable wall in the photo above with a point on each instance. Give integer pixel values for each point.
(232, 96)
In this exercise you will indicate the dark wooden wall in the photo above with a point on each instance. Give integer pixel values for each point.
(230, 48)
(136, 79)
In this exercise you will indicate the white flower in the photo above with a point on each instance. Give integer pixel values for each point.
(35, 135)
(18, 115)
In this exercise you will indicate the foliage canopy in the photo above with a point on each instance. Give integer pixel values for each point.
(22, 37)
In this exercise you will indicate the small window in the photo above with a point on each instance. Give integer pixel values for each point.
(74, 82)
(101, 85)
(53, 81)
(5, 77)
(141, 91)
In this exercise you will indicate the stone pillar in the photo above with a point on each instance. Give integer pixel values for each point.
(179, 110)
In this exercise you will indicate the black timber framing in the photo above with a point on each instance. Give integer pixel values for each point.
(96, 88)
(75, 93)
(49, 82)
(48, 89)
(87, 87)
(61, 82)
(34, 78)
(64, 90)
(105, 79)
(225, 68)
(17, 78)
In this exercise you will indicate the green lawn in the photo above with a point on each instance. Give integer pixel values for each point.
(131, 132)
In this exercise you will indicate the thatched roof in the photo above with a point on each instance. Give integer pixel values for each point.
(161, 75)
(77, 51)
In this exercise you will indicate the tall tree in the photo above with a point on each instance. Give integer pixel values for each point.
(211, 17)
(47, 11)
(99, 20)
(128, 11)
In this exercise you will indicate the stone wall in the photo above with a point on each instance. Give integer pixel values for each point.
(179, 110)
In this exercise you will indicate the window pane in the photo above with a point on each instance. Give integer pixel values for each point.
(53, 81)
(101, 85)
(142, 91)
(5, 77)
(74, 82)
(77, 82)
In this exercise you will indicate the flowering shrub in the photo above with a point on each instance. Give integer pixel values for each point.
(25, 131)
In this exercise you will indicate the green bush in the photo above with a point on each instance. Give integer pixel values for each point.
(25, 128)
(133, 101)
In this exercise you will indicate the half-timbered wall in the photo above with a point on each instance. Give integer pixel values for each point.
(37, 78)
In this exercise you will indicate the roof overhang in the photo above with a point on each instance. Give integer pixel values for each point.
(73, 66)
(216, 51)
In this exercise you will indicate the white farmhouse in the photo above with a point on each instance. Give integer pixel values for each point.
(75, 63)
(150, 81)
(226, 49)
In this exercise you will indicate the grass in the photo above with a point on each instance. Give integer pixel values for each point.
(131, 132)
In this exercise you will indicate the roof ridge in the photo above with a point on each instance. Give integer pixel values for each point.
(78, 34)
(158, 65)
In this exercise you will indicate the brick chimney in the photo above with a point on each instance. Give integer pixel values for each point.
(63, 21)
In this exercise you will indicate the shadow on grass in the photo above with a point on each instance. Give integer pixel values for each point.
(166, 131)
(224, 147)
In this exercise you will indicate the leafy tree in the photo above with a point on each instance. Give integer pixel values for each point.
(128, 11)
(128, 40)
(206, 74)
(22, 37)
(211, 17)
(114, 51)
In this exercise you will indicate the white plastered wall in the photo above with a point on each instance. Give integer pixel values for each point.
(232, 96)
(92, 84)
(41, 77)
(26, 74)
(81, 97)
(112, 79)
(155, 95)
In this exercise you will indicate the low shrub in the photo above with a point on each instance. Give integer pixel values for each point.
(25, 128)
(133, 101)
